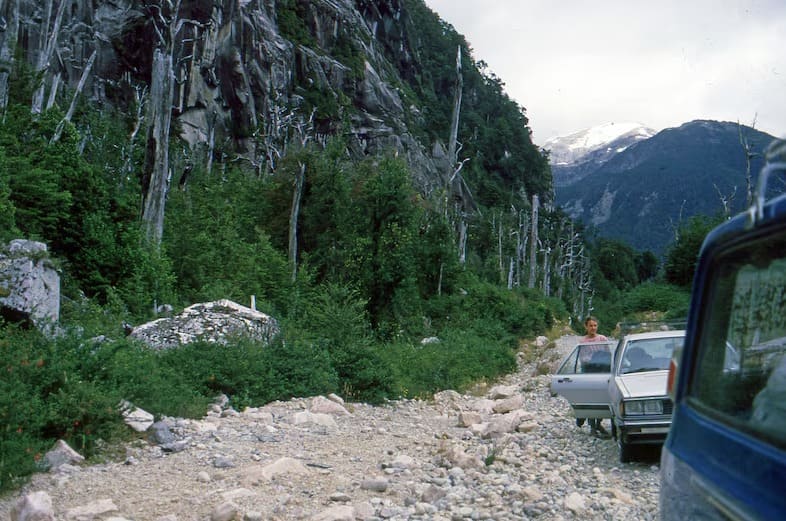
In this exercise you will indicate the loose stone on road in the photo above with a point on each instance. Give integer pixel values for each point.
(509, 453)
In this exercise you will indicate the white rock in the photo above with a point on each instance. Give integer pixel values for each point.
(335, 398)
(284, 466)
(308, 417)
(322, 405)
(224, 512)
(508, 404)
(467, 418)
(91, 511)
(502, 391)
(136, 418)
(575, 503)
(36, 506)
(62, 454)
(337, 513)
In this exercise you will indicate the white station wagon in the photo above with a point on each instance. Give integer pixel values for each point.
(640, 405)
(626, 384)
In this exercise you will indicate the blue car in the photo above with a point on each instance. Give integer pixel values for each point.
(725, 455)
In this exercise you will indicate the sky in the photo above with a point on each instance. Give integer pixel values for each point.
(576, 64)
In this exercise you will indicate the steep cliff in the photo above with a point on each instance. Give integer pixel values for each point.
(250, 77)
(245, 73)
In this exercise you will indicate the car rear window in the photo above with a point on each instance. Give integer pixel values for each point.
(650, 354)
(740, 377)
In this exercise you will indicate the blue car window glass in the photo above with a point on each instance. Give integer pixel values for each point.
(741, 372)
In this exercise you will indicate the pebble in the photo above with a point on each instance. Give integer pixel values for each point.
(405, 460)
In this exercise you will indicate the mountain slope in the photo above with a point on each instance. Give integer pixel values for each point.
(575, 156)
(641, 194)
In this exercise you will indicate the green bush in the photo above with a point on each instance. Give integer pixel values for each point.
(655, 297)
(518, 313)
(251, 374)
(337, 319)
(456, 361)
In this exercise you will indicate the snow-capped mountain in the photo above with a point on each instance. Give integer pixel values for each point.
(610, 138)
(577, 155)
(642, 194)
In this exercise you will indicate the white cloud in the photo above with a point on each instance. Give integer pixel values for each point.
(574, 64)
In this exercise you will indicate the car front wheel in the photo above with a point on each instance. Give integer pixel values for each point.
(626, 450)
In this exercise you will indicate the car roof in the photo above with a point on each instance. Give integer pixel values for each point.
(655, 334)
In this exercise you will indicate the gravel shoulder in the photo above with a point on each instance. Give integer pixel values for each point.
(409, 459)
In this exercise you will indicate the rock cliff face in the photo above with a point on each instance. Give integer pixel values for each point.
(247, 74)
(29, 284)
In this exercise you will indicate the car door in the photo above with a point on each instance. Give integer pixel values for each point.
(582, 379)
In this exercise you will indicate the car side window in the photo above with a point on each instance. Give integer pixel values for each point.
(740, 376)
(587, 358)
(569, 365)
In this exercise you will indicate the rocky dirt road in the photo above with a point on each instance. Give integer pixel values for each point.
(509, 452)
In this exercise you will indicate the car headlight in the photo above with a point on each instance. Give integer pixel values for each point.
(640, 407)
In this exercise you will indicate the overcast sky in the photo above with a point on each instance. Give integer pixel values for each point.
(575, 64)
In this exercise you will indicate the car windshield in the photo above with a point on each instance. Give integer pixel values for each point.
(650, 354)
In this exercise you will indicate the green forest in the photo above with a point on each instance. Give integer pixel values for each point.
(377, 266)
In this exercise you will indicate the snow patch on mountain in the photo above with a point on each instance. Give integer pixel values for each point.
(615, 137)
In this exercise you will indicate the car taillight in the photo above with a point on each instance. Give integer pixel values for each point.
(671, 378)
(674, 365)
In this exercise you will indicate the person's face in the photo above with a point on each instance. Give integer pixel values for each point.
(591, 327)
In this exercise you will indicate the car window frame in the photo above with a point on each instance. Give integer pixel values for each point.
(710, 316)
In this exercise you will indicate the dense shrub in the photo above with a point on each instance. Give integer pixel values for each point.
(458, 359)
(655, 297)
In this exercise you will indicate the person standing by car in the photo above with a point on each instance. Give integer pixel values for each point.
(591, 328)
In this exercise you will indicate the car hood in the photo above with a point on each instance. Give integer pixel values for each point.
(643, 385)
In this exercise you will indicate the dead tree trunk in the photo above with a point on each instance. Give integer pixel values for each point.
(499, 250)
(462, 242)
(746, 147)
(510, 271)
(455, 165)
(157, 172)
(453, 141)
(9, 11)
(72, 107)
(293, 217)
(547, 271)
(533, 247)
(46, 56)
(50, 102)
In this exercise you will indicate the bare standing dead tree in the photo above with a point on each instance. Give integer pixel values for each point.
(304, 131)
(454, 123)
(675, 227)
(47, 51)
(156, 176)
(533, 247)
(749, 155)
(9, 10)
(726, 200)
(166, 21)
(72, 107)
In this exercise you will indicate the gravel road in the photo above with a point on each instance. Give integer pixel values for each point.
(505, 452)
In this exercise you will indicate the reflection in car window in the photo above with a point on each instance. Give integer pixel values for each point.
(588, 358)
(651, 354)
(741, 372)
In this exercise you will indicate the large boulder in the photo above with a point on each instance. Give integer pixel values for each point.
(29, 284)
(217, 321)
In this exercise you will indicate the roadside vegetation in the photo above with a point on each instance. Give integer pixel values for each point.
(377, 274)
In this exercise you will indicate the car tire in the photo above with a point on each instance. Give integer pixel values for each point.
(626, 451)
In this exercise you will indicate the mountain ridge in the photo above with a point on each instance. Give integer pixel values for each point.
(642, 194)
(576, 155)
